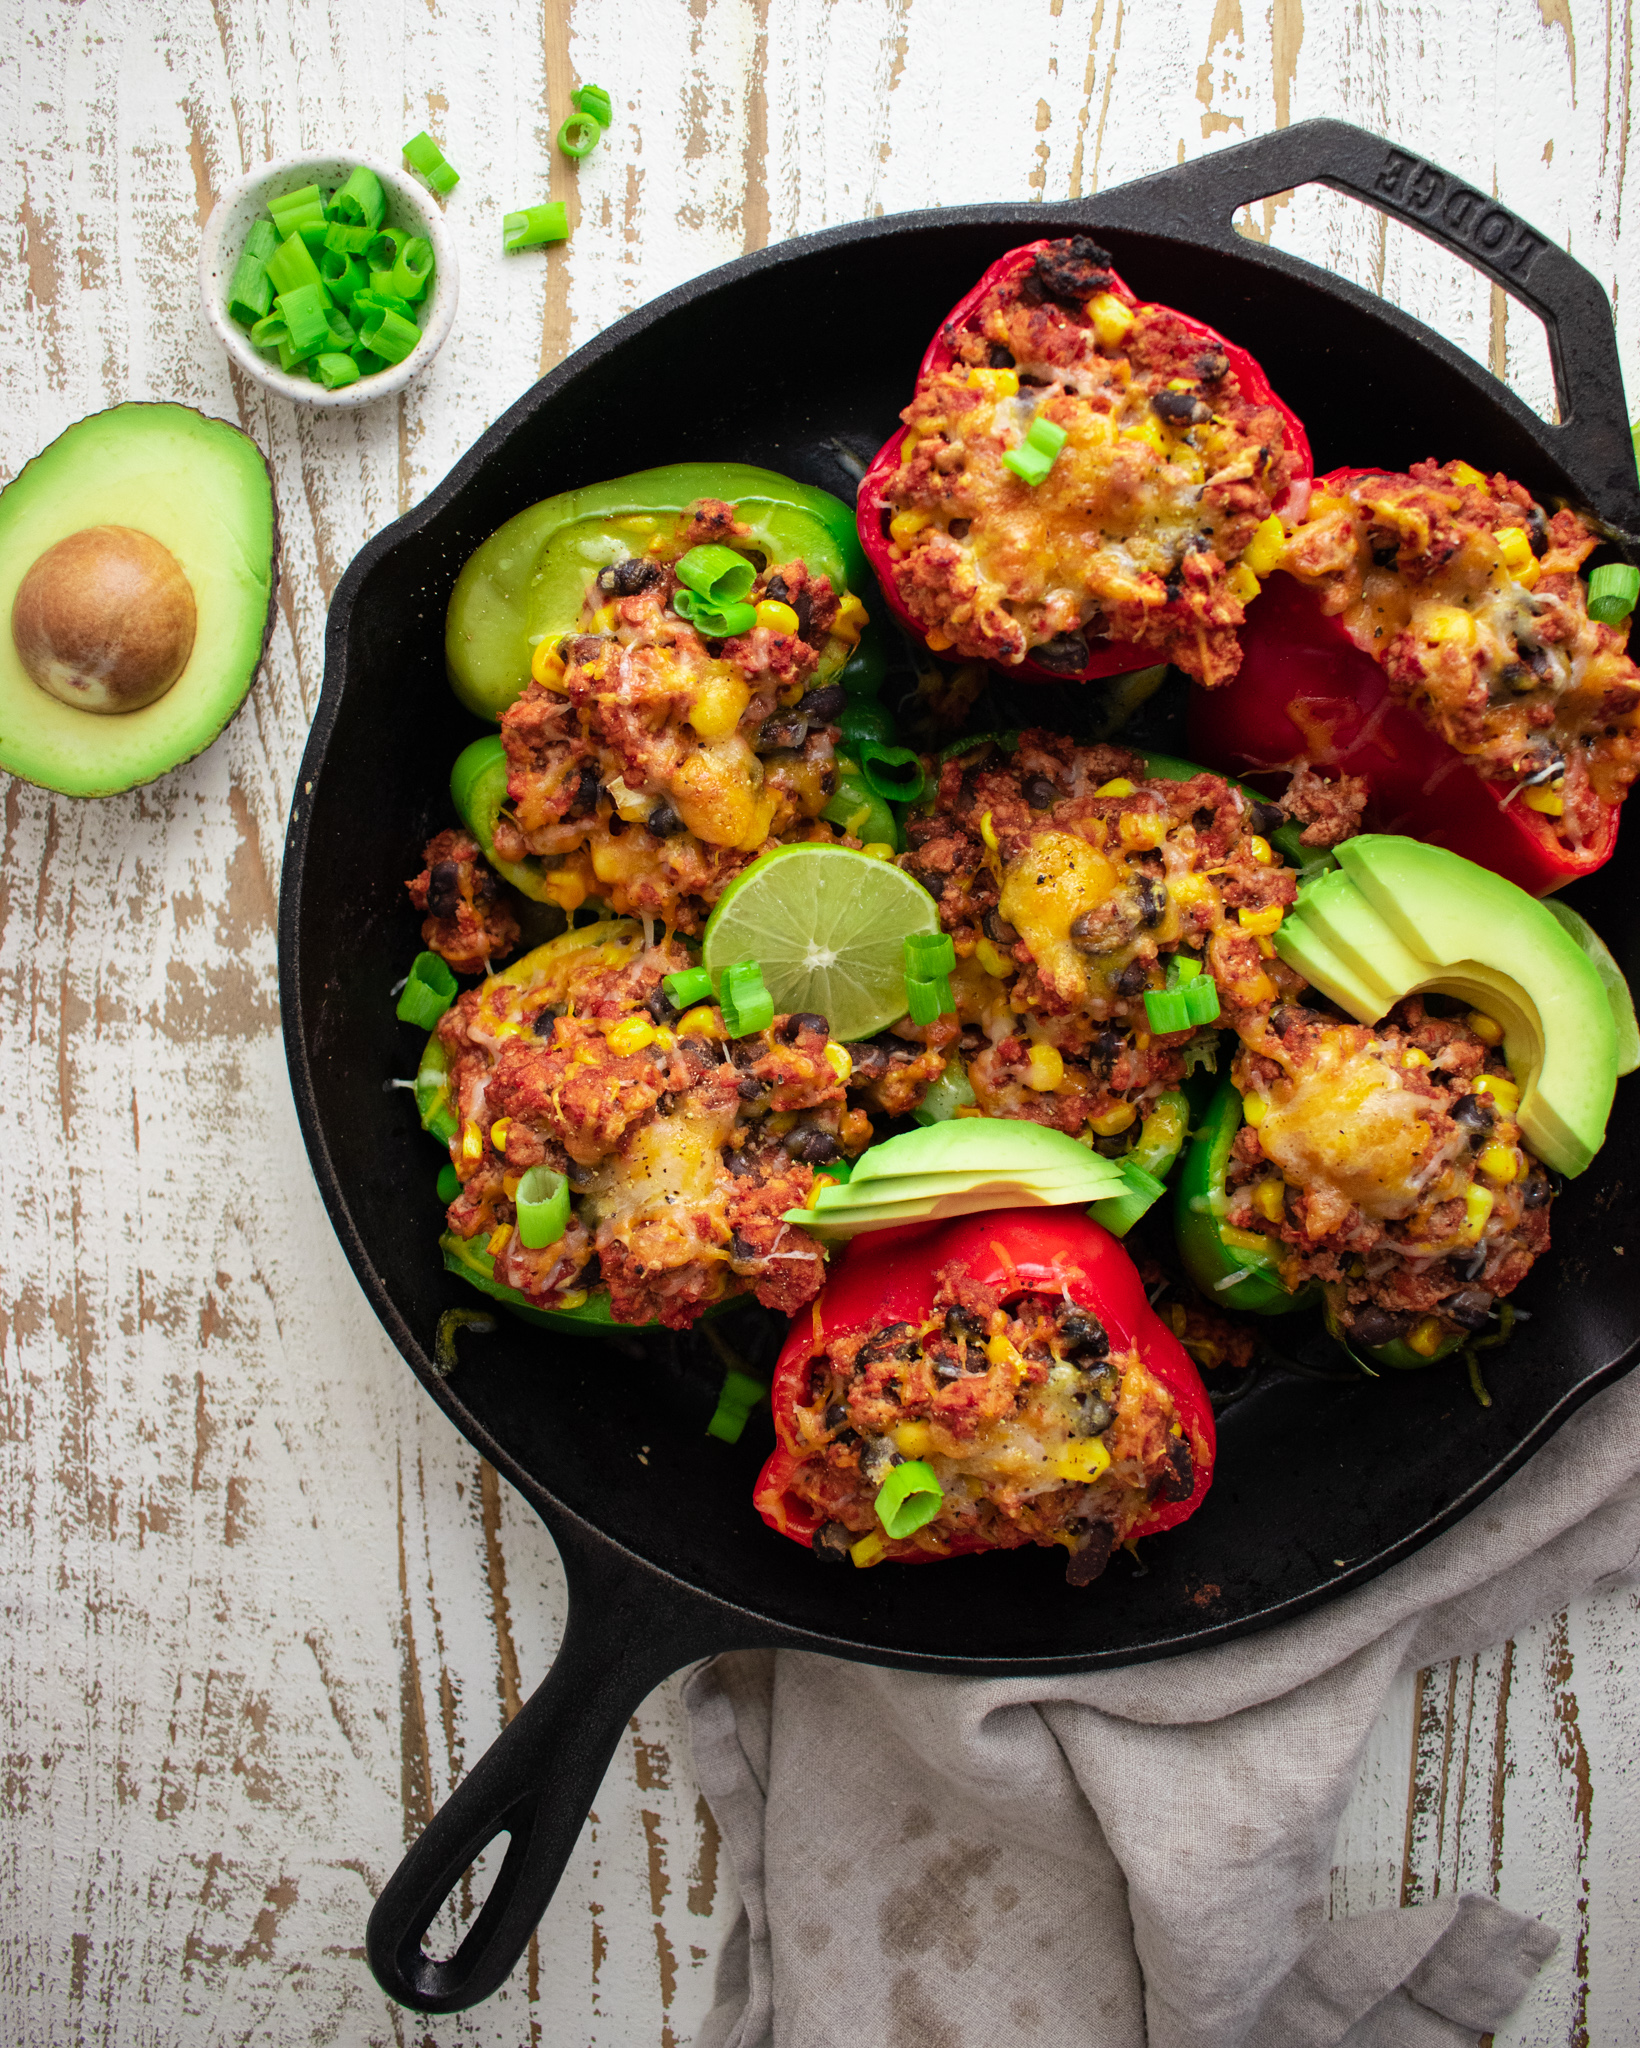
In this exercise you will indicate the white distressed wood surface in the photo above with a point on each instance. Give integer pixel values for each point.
(263, 1605)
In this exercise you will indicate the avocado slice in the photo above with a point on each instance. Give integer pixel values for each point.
(146, 474)
(992, 1145)
(1399, 918)
(1612, 980)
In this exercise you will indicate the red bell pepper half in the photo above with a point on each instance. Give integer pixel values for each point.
(1306, 692)
(1111, 657)
(901, 1277)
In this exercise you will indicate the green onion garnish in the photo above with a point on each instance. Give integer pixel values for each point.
(388, 334)
(293, 211)
(716, 573)
(270, 334)
(893, 773)
(423, 154)
(746, 1004)
(262, 240)
(335, 371)
(929, 953)
(360, 203)
(910, 1497)
(428, 993)
(927, 997)
(689, 986)
(414, 267)
(367, 300)
(543, 1208)
(711, 621)
(1037, 453)
(448, 1185)
(291, 265)
(580, 135)
(343, 275)
(738, 1396)
(1613, 590)
(303, 310)
(369, 363)
(593, 100)
(1167, 1009)
(532, 227)
(250, 293)
(348, 241)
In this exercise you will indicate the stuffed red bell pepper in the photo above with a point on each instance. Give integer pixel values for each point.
(984, 1384)
(1431, 635)
(1078, 477)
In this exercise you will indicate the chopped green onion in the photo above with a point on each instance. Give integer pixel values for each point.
(343, 275)
(428, 993)
(368, 361)
(295, 210)
(1201, 1001)
(746, 1004)
(929, 953)
(448, 1185)
(579, 136)
(717, 574)
(385, 247)
(1613, 590)
(410, 275)
(739, 1395)
(593, 100)
(291, 265)
(314, 233)
(342, 335)
(368, 300)
(927, 998)
(534, 226)
(711, 622)
(543, 1208)
(689, 986)
(863, 720)
(335, 371)
(304, 308)
(388, 334)
(269, 334)
(250, 294)
(349, 241)
(423, 154)
(1037, 453)
(1168, 1009)
(361, 202)
(893, 773)
(909, 1498)
(262, 240)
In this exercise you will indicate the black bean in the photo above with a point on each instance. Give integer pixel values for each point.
(998, 357)
(803, 605)
(741, 1163)
(1082, 1332)
(871, 1063)
(740, 1248)
(1091, 1555)
(820, 707)
(836, 1415)
(778, 588)
(997, 928)
(1267, 818)
(965, 1322)
(1066, 654)
(663, 821)
(1475, 1115)
(1072, 270)
(1372, 1326)
(958, 528)
(1537, 530)
(1470, 1266)
(587, 792)
(830, 1543)
(1470, 1308)
(1179, 408)
(751, 1089)
(810, 1143)
(1040, 793)
(1097, 1415)
(1540, 1190)
(628, 578)
(1152, 896)
(617, 824)
(660, 1005)
(1537, 660)
(1134, 977)
(444, 889)
(784, 729)
(804, 1020)
(1212, 366)
(1108, 1046)
(889, 1342)
(1179, 1481)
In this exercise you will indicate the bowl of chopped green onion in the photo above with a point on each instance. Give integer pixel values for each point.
(329, 279)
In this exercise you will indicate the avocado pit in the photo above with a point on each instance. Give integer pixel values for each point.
(105, 620)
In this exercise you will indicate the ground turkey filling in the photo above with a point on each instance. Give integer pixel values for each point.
(649, 766)
(1037, 1431)
(1386, 1162)
(1467, 594)
(682, 1148)
(469, 921)
(1067, 878)
(1136, 534)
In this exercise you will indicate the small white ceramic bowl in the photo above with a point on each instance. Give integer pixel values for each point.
(408, 207)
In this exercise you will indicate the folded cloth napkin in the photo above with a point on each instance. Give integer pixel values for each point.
(1135, 1858)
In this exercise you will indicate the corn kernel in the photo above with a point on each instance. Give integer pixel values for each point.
(1412, 1057)
(1447, 622)
(1119, 787)
(1254, 1109)
(1515, 548)
(496, 1243)
(631, 1035)
(1261, 850)
(1000, 1351)
(1242, 584)
(1270, 1200)
(702, 1021)
(996, 383)
(664, 1038)
(1115, 1119)
(904, 527)
(472, 1142)
(1265, 550)
(1191, 889)
(498, 1132)
(996, 964)
(914, 1439)
(1426, 1337)
(869, 1550)
(1500, 1163)
(778, 617)
(1546, 798)
(1505, 1095)
(1465, 473)
(851, 617)
(1260, 922)
(1487, 1029)
(1082, 1461)
(988, 832)
(877, 849)
(908, 447)
(509, 1185)
(937, 641)
(1045, 1069)
(1151, 432)
(1140, 830)
(839, 1059)
(1111, 319)
(545, 666)
(1477, 1207)
(1266, 949)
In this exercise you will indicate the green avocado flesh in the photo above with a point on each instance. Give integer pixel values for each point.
(1612, 980)
(201, 489)
(1400, 918)
(976, 1145)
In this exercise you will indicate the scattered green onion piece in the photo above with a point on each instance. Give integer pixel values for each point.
(291, 265)
(349, 241)
(361, 202)
(292, 361)
(737, 1397)
(410, 276)
(863, 720)
(388, 334)
(313, 233)
(1167, 1009)
(268, 334)
(593, 100)
(423, 154)
(367, 300)
(929, 953)
(689, 986)
(250, 294)
(711, 622)
(718, 574)
(534, 226)
(579, 136)
(1201, 1001)
(342, 334)
(305, 308)
(335, 371)
(1037, 453)
(543, 1208)
(746, 1004)
(448, 1185)
(262, 240)
(910, 1497)
(927, 997)
(343, 275)
(294, 210)
(368, 361)
(385, 246)
(428, 993)
(893, 773)
(1613, 589)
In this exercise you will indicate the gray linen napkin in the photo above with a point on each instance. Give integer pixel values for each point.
(1134, 1858)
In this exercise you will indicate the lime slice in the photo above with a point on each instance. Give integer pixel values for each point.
(826, 925)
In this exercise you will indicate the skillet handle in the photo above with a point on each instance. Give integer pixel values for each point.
(536, 1782)
(1202, 197)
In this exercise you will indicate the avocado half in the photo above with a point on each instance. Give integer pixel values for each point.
(202, 490)
(1399, 918)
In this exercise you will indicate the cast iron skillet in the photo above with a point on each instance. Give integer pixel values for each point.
(776, 359)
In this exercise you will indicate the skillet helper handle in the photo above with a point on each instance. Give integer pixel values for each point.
(536, 1783)
(1203, 195)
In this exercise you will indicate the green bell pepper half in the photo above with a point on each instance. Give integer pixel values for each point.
(1210, 1250)
(859, 810)
(1397, 1355)
(478, 789)
(438, 1118)
(1146, 1164)
(527, 582)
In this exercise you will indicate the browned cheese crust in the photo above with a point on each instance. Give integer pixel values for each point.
(1468, 595)
(1166, 473)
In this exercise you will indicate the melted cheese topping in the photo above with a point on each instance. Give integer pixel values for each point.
(1348, 1124)
(1044, 892)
